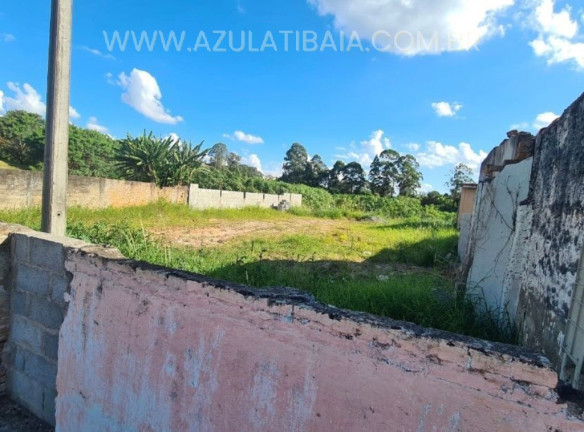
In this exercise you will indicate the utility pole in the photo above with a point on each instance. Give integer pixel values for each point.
(54, 214)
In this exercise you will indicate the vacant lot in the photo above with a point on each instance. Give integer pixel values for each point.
(397, 268)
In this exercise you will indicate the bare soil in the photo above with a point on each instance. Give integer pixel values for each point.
(218, 232)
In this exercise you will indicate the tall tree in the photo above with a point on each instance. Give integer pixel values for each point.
(317, 174)
(295, 164)
(410, 177)
(385, 173)
(219, 155)
(233, 161)
(461, 174)
(335, 177)
(22, 139)
(354, 181)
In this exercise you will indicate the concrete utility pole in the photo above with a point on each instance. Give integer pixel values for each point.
(54, 218)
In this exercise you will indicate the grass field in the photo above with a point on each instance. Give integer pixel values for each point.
(396, 268)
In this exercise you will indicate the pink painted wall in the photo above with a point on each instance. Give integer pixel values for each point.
(146, 350)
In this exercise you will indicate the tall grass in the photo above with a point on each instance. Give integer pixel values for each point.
(398, 268)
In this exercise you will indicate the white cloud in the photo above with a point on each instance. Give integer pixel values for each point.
(413, 147)
(274, 169)
(544, 120)
(459, 24)
(73, 113)
(437, 155)
(143, 94)
(370, 148)
(253, 161)
(92, 124)
(26, 98)
(244, 137)
(426, 188)
(559, 38)
(173, 137)
(446, 109)
(97, 53)
(7, 37)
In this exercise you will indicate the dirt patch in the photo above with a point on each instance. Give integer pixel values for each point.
(218, 232)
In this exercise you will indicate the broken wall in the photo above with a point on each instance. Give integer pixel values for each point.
(526, 235)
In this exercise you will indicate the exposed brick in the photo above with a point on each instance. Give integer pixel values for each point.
(25, 391)
(18, 303)
(45, 312)
(24, 332)
(51, 345)
(59, 286)
(49, 396)
(32, 280)
(47, 254)
(39, 369)
(20, 247)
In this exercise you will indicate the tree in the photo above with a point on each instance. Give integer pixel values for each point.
(233, 161)
(219, 155)
(161, 161)
(92, 153)
(461, 174)
(384, 174)
(317, 172)
(22, 139)
(335, 177)
(354, 181)
(410, 177)
(295, 165)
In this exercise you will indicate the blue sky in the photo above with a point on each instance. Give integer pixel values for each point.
(520, 63)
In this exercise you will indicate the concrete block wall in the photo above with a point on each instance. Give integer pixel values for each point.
(20, 189)
(37, 308)
(207, 198)
(4, 303)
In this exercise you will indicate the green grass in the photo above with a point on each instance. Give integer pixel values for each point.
(399, 268)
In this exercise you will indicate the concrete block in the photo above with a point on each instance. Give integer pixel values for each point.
(59, 286)
(20, 247)
(40, 369)
(47, 254)
(49, 396)
(23, 331)
(51, 345)
(19, 303)
(25, 391)
(32, 280)
(45, 312)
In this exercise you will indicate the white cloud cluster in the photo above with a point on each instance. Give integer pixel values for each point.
(459, 24)
(93, 124)
(254, 161)
(26, 98)
(446, 109)
(244, 137)
(544, 120)
(559, 38)
(541, 120)
(143, 94)
(370, 148)
(437, 154)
